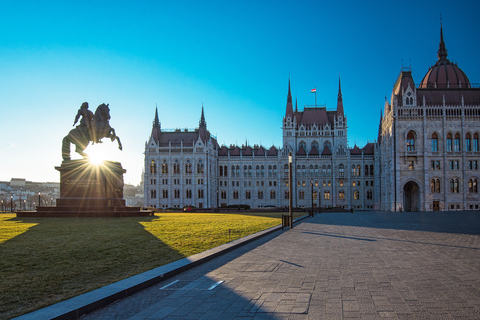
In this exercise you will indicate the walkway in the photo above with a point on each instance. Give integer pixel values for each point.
(365, 265)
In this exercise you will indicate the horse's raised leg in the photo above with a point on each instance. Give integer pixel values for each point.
(119, 143)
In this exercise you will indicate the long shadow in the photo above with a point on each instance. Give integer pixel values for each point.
(48, 260)
(465, 222)
(369, 238)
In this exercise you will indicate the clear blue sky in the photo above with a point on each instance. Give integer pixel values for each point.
(235, 57)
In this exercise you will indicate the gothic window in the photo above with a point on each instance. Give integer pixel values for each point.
(449, 142)
(223, 194)
(153, 194)
(356, 194)
(354, 171)
(311, 170)
(260, 194)
(272, 194)
(225, 172)
(454, 186)
(302, 144)
(200, 193)
(468, 142)
(176, 193)
(274, 171)
(176, 167)
(245, 171)
(301, 194)
(457, 142)
(472, 186)
(188, 167)
(359, 170)
(262, 171)
(341, 170)
(329, 169)
(287, 195)
(200, 167)
(235, 194)
(257, 171)
(434, 142)
(221, 171)
(249, 171)
(233, 171)
(366, 170)
(315, 144)
(153, 167)
(324, 170)
(316, 170)
(270, 171)
(237, 171)
(475, 142)
(411, 141)
(304, 171)
(188, 194)
(341, 194)
(371, 170)
(285, 170)
(164, 167)
(165, 193)
(326, 195)
(248, 194)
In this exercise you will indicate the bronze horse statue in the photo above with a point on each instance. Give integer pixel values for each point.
(92, 128)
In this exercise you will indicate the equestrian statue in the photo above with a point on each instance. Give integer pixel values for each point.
(92, 128)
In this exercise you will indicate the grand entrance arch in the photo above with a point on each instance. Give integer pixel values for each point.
(411, 196)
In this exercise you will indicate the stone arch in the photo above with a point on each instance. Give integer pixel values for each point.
(411, 196)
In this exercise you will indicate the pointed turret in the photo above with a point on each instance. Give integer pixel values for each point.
(339, 100)
(202, 123)
(289, 112)
(379, 137)
(442, 50)
(156, 129)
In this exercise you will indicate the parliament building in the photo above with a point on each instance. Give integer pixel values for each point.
(425, 157)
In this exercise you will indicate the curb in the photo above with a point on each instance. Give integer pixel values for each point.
(78, 306)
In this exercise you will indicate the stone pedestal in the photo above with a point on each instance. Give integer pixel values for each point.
(89, 190)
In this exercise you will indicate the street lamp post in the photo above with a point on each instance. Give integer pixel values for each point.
(11, 203)
(311, 186)
(319, 200)
(290, 198)
(39, 199)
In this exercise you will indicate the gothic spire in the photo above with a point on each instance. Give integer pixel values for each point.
(339, 100)
(202, 123)
(289, 112)
(156, 122)
(442, 51)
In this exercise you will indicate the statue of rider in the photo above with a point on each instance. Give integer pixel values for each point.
(86, 122)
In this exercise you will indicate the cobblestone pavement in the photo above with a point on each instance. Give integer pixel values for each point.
(366, 265)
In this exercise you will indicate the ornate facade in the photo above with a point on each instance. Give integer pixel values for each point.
(425, 158)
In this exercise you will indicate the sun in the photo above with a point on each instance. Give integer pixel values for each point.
(96, 154)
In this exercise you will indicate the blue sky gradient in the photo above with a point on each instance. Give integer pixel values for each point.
(234, 57)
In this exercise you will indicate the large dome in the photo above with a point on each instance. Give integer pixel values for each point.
(444, 74)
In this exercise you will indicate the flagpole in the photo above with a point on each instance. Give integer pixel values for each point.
(315, 96)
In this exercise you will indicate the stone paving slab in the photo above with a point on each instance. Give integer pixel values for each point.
(366, 265)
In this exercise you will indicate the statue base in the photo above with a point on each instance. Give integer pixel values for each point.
(89, 190)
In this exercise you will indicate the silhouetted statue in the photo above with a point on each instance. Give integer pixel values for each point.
(91, 128)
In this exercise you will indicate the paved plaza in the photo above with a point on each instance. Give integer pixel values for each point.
(366, 265)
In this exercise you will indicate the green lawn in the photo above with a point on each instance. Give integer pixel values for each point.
(47, 260)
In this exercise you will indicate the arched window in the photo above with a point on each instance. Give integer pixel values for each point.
(356, 195)
(354, 171)
(245, 171)
(274, 171)
(188, 167)
(434, 142)
(302, 144)
(475, 142)
(366, 170)
(260, 194)
(435, 186)
(329, 169)
(315, 144)
(449, 142)
(324, 170)
(272, 194)
(316, 170)
(257, 171)
(301, 194)
(249, 171)
(176, 167)
(237, 171)
(164, 167)
(326, 195)
(153, 167)
(270, 171)
(468, 142)
(304, 170)
(285, 170)
(341, 170)
(221, 171)
(262, 171)
(311, 170)
(188, 194)
(411, 141)
(341, 194)
(153, 194)
(472, 186)
(359, 173)
(454, 186)
(371, 170)
(233, 171)
(457, 142)
(225, 172)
